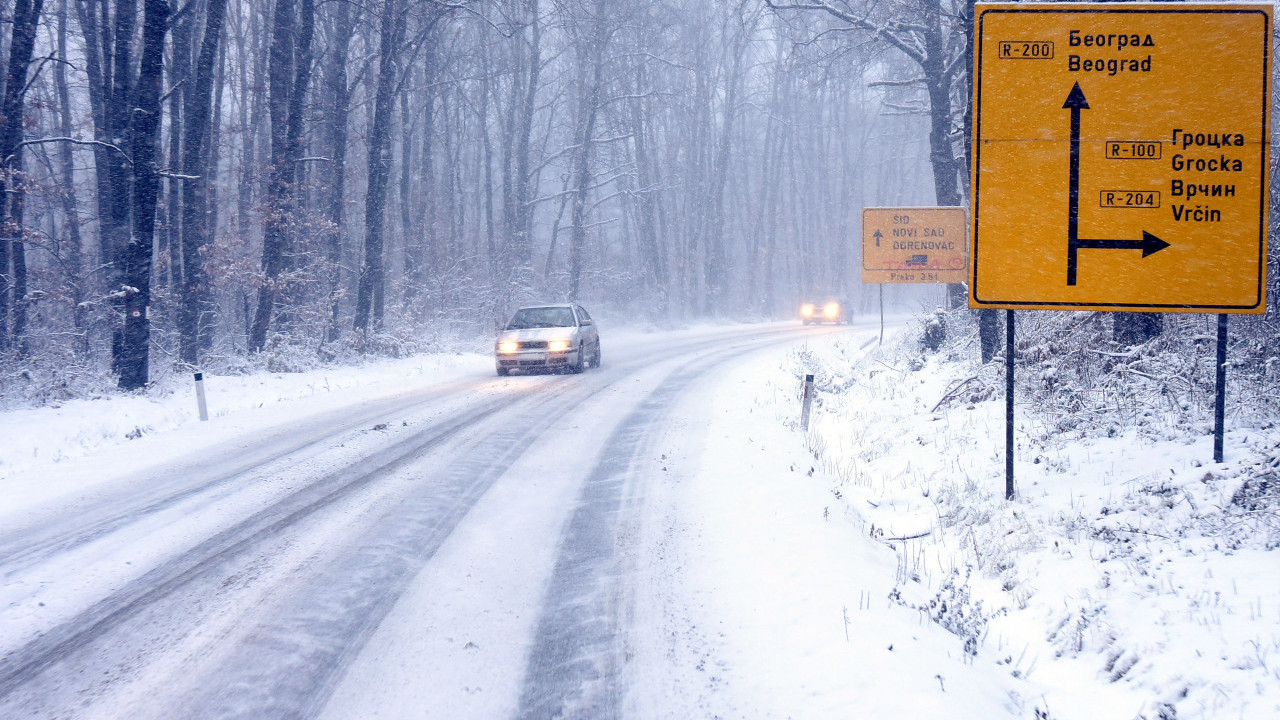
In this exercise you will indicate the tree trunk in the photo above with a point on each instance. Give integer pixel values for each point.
(651, 245)
(179, 74)
(26, 17)
(115, 221)
(340, 95)
(591, 84)
(290, 73)
(989, 333)
(426, 234)
(521, 232)
(371, 292)
(197, 307)
(145, 130)
(411, 238)
(1135, 328)
(70, 204)
(715, 269)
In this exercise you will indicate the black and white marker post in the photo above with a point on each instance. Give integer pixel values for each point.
(200, 401)
(807, 401)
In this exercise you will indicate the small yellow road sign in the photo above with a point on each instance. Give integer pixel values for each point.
(915, 245)
(1121, 156)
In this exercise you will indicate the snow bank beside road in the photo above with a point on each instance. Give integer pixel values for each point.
(1131, 577)
(44, 440)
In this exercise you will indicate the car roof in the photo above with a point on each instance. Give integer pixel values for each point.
(545, 305)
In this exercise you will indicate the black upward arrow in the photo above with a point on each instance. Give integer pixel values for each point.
(877, 236)
(1148, 244)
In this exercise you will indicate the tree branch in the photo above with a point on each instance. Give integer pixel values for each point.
(73, 141)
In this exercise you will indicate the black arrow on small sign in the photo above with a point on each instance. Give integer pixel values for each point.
(877, 236)
(1148, 244)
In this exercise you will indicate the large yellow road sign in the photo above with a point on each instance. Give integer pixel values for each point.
(1121, 156)
(915, 245)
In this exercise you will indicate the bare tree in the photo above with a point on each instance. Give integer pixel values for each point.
(290, 74)
(197, 307)
(136, 256)
(13, 283)
(370, 296)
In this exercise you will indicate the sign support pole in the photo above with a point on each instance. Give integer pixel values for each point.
(1220, 402)
(1008, 405)
(881, 342)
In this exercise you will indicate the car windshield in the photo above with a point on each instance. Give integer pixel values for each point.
(541, 317)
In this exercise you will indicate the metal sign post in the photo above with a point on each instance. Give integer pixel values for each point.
(1220, 402)
(1008, 405)
(881, 286)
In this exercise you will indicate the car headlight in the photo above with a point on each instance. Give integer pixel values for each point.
(559, 345)
(831, 310)
(508, 347)
(806, 309)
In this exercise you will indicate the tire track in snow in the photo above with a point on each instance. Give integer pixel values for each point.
(575, 664)
(206, 560)
(30, 546)
(314, 640)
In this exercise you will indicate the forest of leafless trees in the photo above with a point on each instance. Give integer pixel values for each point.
(199, 183)
(192, 182)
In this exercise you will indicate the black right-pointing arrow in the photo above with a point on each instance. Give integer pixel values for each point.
(1149, 243)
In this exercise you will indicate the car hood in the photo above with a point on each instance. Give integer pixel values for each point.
(531, 334)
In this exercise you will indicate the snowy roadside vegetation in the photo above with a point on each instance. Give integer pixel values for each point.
(49, 424)
(1132, 577)
(51, 375)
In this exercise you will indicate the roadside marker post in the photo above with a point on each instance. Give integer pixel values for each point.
(201, 405)
(1120, 163)
(806, 402)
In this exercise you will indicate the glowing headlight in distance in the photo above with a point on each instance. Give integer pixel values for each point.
(558, 345)
(508, 347)
(831, 310)
(806, 309)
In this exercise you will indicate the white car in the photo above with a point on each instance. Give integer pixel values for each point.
(559, 336)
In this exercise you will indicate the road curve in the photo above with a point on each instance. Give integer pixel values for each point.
(263, 566)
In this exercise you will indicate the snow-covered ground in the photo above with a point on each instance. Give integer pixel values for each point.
(1132, 577)
(869, 567)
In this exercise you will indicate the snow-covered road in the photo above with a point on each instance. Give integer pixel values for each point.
(476, 548)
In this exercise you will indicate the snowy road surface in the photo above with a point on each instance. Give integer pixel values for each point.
(591, 546)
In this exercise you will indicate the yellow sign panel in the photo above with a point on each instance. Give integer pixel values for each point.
(1121, 157)
(915, 245)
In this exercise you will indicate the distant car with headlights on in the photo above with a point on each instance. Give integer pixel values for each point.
(830, 311)
(560, 336)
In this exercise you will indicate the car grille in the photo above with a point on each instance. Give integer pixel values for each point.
(533, 345)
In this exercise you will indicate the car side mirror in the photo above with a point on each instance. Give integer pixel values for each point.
(586, 323)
